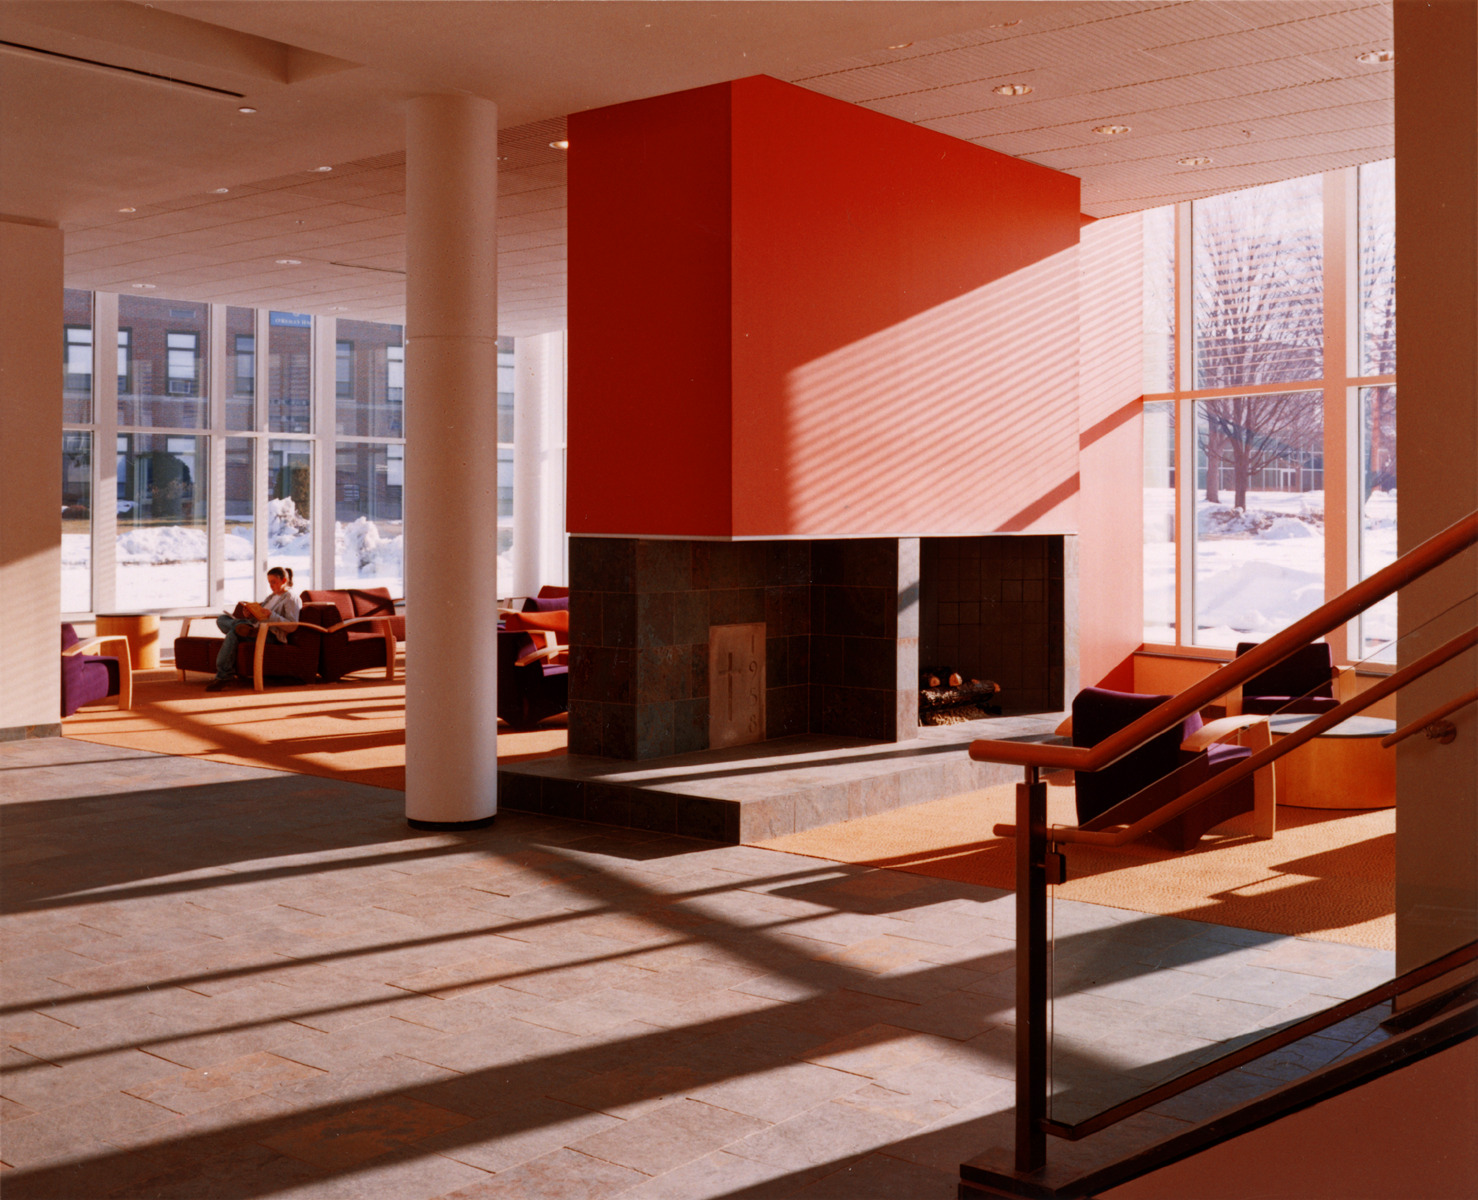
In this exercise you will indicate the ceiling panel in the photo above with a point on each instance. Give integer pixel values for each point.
(1267, 89)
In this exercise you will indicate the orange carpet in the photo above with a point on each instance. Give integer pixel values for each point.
(353, 729)
(1329, 873)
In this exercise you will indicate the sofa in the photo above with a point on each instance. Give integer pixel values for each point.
(365, 631)
(296, 658)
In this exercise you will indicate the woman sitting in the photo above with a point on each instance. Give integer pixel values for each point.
(281, 605)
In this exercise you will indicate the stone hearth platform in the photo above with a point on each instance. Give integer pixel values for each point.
(749, 793)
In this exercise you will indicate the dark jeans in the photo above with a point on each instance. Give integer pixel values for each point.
(226, 659)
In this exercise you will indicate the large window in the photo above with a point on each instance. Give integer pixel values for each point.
(1240, 387)
(290, 508)
(77, 357)
(160, 371)
(290, 373)
(162, 516)
(154, 468)
(76, 521)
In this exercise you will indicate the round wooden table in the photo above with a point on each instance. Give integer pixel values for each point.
(142, 632)
(1343, 767)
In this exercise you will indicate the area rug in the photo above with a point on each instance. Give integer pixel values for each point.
(1328, 874)
(353, 729)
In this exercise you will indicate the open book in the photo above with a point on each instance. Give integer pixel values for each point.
(248, 609)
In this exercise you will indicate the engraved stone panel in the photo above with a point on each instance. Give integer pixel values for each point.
(736, 684)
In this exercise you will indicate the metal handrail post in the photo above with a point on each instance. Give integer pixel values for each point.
(1031, 974)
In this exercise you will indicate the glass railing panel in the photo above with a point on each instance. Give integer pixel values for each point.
(1163, 960)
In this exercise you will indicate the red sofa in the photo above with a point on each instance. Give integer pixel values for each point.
(365, 634)
(297, 658)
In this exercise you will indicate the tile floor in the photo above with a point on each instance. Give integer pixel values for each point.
(227, 982)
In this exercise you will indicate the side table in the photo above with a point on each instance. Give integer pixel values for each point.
(142, 632)
(1343, 767)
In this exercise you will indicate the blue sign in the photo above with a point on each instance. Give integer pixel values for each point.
(295, 320)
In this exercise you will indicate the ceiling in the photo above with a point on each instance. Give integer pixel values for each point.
(142, 114)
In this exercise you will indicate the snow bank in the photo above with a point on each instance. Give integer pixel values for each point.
(162, 544)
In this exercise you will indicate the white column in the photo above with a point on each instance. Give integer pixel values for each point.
(538, 462)
(451, 459)
(31, 481)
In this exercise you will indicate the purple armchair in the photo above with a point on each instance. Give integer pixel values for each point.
(1305, 682)
(88, 678)
(1164, 768)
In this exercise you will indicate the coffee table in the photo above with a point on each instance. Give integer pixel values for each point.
(1343, 767)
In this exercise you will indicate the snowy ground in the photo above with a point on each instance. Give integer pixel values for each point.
(1258, 571)
(164, 567)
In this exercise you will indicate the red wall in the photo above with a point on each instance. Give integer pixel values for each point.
(894, 290)
(791, 315)
(648, 443)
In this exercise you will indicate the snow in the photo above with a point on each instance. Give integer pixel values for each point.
(1257, 570)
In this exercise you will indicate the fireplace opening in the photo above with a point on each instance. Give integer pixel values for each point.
(991, 609)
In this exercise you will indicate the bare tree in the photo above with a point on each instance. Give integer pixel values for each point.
(1258, 267)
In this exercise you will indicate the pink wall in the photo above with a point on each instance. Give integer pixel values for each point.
(1407, 1134)
(1110, 451)
(793, 316)
(649, 248)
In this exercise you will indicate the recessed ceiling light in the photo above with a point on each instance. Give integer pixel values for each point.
(144, 286)
(1372, 57)
(562, 144)
(1012, 89)
(289, 262)
(323, 168)
(1003, 24)
(220, 191)
(246, 108)
(1110, 130)
(128, 210)
(338, 308)
(1197, 160)
(900, 46)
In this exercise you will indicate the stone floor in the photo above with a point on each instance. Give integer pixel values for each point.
(228, 982)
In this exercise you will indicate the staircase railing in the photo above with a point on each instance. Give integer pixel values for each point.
(1037, 860)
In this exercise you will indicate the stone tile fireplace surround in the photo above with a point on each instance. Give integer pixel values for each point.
(848, 622)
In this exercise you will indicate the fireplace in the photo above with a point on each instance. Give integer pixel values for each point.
(822, 636)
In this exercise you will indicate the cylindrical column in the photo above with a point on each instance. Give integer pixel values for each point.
(538, 450)
(451, 453)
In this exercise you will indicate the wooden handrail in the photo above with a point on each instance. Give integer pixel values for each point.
(1431, 718)
(1071, 835)
(1432, 553)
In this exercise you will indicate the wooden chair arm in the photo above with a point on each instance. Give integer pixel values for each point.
(1221, 730)
(1066, 728)
(532, 656)
(1253, 731)
(125, 662)
(1345, 685)
(259, 654)
(387, 630)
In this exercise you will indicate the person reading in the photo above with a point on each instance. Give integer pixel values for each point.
(281, 605)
